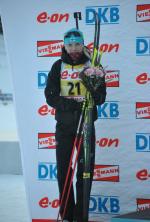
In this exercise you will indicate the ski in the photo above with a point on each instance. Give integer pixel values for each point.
(88, 125)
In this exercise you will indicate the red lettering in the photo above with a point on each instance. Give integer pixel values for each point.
(143, 14)
(90, 46)
(142, 78)
(115, 46)
(65, 17)
(55, 203)
(64, 74)
(43, 142)
(54, 18)
(104, 47)
(113, 141)
(42, 17)
(43, 110)
(142, 174)
(75, 75)
(44, 202)
(108, 142)
(52, 111)
(51, 141)
(103, 142)
(112, 76)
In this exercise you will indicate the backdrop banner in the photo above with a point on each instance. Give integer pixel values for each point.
(33, 33)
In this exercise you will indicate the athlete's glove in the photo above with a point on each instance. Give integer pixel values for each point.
(92, 77)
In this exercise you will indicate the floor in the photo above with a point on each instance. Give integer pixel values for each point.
(13, 204)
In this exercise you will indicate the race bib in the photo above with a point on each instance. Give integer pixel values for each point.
(71, 85)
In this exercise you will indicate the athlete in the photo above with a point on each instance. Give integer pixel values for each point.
(65, 92)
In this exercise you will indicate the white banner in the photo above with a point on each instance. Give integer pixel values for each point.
(33, 33)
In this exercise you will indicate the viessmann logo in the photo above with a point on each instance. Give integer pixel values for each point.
(46, 141)
(143, 110)
(143, 13)
(106, 173)
(112, 78)
(143, 204)
(49, 48)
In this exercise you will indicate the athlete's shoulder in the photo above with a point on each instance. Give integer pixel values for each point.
(57, 63)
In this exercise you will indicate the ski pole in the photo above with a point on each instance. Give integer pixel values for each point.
(72, 155)
(75, 163)
(73, 171)
(77, 16)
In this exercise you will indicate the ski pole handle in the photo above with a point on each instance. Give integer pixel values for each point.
(77, 16)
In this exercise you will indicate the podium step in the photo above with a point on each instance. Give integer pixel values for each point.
(138, 216)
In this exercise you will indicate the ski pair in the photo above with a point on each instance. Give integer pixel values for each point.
(95, 62)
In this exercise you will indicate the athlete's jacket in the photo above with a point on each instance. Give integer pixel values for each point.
(64, 90)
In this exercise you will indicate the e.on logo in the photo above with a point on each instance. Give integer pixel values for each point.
(143, 78)
(107, 142)
(143, 175)
(105, 47)
(45, 109)
(44, 17)
(45, 202)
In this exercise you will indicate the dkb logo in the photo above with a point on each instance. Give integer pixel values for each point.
(47, 171)
(143, 142)
(107, 14)
(109, 110)
(104, 204)
(143, 46)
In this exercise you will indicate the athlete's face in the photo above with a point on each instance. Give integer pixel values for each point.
(74, 50)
